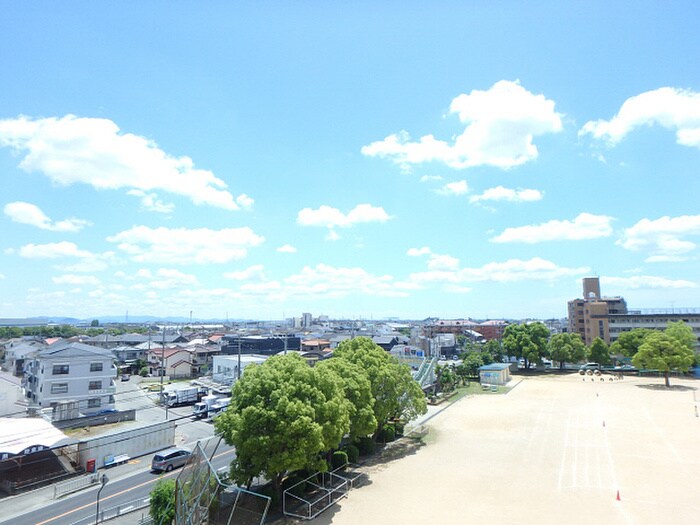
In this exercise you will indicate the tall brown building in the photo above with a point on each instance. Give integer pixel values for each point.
(590, 316)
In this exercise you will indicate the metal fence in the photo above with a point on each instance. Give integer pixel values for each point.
(311, 496)
(116, 511)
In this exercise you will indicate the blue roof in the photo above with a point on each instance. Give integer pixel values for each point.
(495, 366)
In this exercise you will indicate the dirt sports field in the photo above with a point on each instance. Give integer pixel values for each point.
(554, 450)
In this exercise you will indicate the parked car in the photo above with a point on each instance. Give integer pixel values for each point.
(589, 368)
(625, 368)
(169, 459)
(126, 377)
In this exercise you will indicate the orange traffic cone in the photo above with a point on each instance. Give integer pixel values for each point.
(618, 496)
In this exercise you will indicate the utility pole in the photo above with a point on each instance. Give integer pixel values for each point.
(162, 372)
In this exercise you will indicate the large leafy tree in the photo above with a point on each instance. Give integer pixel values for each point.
(682, 333)
(162, 502)
(358, 391)
(527, 341)
(567, 348)
(283, 415)
(396, 394)
(628, 343)
(664, 352)
(599, 352)
(494, 348)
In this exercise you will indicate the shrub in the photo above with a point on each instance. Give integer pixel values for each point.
(340, 459)
(387, 434)
(365, 445)
(353, 453)
(144, 371)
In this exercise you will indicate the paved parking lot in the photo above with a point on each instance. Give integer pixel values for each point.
(555, 449)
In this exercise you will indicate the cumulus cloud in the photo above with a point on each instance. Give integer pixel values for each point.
(74, 150)
(287, 248)
(454, 188)
(500, 125)
(500, 193)
(255, 272)
(151, 202)
(417, 252)
(647, 282)
(584, 226)
(662, 236)
(73, 279)
(512, 270)
(332, 217)
(53, 250)
(329, 281)
(674, 109)
(27, 213)
(186, 246)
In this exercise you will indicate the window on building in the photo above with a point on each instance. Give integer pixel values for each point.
(59, 388)
(61, 370)
(95, 367)
(94, 402)
(601, 331)
(95, 385)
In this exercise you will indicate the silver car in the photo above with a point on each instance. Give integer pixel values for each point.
(169, 459)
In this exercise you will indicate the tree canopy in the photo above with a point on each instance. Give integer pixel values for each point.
(628, 343)
(162, 502)
(599, 352)
(283, 415)
(664, 352)
(396, 394)
(567, 348)
(527, 341)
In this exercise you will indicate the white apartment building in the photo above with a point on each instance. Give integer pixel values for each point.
(71, 372)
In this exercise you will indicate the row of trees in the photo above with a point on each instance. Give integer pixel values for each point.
(285, 416)
(667, 350)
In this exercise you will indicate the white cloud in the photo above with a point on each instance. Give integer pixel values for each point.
(417, 252)
(501, 123)
(287, 248)
(665, 259)
(443, 262)
(647, 281)
(244, 201)
(73, 279)
(584, 226)
(168, 278)
(513, 270)
(71, 150)
(333, 217)
(2, 276)
(332, 236)
(499, 193)
(53, 250)
(663, 235)
(430, 178)
(674, 109)
(186, 246)
(26, 213)
(454, 188)
(255, 272)
(332, 282)
(151, 202)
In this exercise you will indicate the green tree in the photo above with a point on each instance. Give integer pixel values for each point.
(471, 362)
(162, 502)
(283, 416)
(599, 352)
(682, 333)
(567, 348)
(628, 343)
(358, 391)
(663, 352)
(396, 394)
(527, 341)
(494, 348)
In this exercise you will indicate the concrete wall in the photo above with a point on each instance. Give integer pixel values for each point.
(93, 421)
(134, 443)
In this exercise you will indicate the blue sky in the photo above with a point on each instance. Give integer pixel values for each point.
(365, 159)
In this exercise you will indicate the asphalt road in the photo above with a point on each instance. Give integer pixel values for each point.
(81, 507)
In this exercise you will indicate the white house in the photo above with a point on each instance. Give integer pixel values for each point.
(71, 372)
